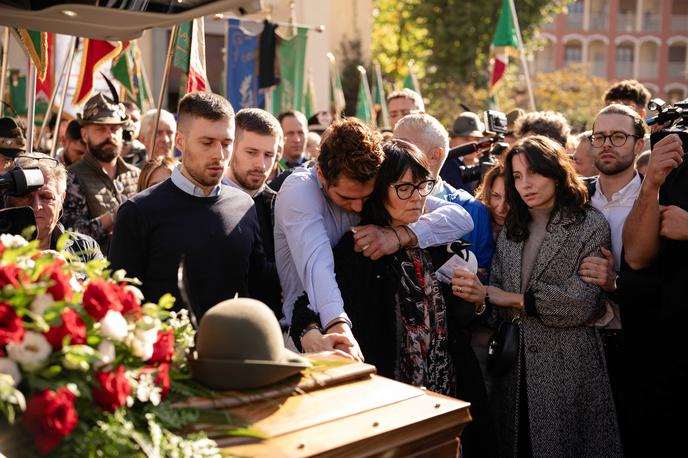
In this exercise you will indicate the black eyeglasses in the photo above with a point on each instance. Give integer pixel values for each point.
(617, 139)
(405, 190)
(29, 160)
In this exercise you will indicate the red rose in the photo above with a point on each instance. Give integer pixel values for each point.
(162, 379)
(9, 275)
(127, 298)
(163, 349)
(72, 326)
(50, 416)
(11, 329)
(60, 288)
(162, 376)
(113, 389)
(99, 297)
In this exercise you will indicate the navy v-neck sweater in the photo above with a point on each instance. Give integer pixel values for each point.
(218, 236)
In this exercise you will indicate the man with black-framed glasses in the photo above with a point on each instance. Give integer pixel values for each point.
(46, 203)
(616, 141)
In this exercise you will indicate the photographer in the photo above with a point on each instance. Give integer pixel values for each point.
(467, 128)
(46, 204)
(655, 239)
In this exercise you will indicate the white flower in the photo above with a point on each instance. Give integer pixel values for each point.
(74, 283)
(114, 326)
(146, 390)
(41, 303)
(107, 350)
(30, 352)
(9, 367)
(13, 241)
(141, 342)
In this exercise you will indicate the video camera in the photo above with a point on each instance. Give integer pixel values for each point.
(18, 182)
(674, 117)
(491, 147)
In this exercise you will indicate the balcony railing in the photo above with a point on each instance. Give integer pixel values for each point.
(647, 70)
(626, 22)
(677, 70)
(574, 21)
(624, 69)
(651, 22)
(679, 22)
(598, 22)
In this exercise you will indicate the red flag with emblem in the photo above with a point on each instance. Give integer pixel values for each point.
(95, 53)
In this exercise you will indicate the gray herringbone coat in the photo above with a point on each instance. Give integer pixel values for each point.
(570, 404)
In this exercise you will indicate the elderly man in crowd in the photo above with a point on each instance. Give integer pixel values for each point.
(164, 140)
(46, 204)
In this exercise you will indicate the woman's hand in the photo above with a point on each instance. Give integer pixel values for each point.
(502, 298)
(468, 287)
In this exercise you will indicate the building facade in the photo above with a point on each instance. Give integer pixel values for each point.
(620, 39)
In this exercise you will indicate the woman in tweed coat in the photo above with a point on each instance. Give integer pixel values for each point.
(556, 401)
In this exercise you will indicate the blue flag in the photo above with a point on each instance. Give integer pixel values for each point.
(242, 68)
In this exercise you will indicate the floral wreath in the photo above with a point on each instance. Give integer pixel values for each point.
(88, 369)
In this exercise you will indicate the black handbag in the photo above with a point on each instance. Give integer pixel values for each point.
(502, 349)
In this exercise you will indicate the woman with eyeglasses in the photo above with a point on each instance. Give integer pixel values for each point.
(46, 204)
(409, 325)
(556, 399)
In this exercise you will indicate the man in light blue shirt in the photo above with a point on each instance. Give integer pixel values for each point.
(316, 206)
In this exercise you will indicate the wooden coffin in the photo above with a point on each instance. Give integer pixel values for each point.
(340, 411)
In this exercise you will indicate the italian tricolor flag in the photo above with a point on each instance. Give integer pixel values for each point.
(504, 43)
(189, 55)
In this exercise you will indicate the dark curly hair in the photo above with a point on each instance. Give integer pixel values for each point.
(400, 156)
(547, 158)
(627, 91)
(351, 148)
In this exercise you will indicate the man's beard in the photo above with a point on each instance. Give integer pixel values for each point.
(102, 154)
(613, 169)
(245, 183)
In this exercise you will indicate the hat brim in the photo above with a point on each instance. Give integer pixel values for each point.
(11, 153)
(219, 374)
(107, 120)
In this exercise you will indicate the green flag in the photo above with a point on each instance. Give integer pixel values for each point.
(505, 35)
(17, 90)
(379, 98)
(182, 47)
(35, 45)
(337, 100)
(122, 69)
(411, 82)
(364, 102)
(289, 94)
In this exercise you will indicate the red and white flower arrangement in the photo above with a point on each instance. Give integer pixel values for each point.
(85, 367)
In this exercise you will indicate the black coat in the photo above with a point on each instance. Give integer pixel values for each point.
(368, 289)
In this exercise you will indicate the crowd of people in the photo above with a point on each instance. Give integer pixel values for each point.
(379, 246)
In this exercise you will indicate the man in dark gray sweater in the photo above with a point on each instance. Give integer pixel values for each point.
(192, 214)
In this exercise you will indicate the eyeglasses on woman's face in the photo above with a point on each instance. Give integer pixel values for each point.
(616, 138)
(405, 190)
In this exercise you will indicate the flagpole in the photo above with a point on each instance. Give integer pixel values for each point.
(58, 119)
(53, 96)
(3, 69)
(522, 52)
(163, 87)
(31, 106)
